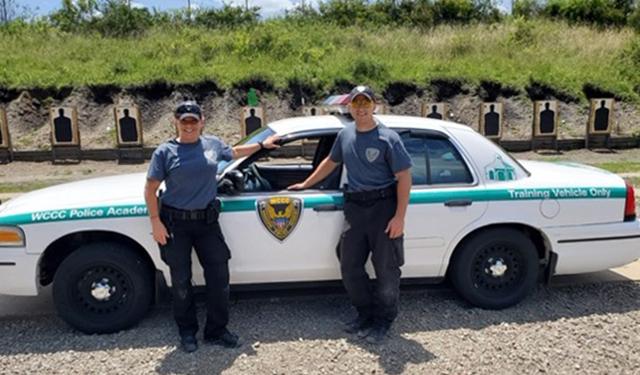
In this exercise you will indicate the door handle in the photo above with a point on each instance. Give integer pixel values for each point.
(458, 203)
(327, 207)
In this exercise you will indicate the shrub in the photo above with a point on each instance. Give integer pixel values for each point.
(348, 12)
(634, 19)
(74, 14)
(453, 11)
(597, 12)
(227, 17)
(120, 20)
(527, 8)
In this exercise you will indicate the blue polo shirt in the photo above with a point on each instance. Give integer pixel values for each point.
(372, 158)
(189, 171)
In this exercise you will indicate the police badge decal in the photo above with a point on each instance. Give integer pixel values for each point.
(280, 215)
(372, 154)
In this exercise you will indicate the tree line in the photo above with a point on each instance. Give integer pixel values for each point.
(118, 18)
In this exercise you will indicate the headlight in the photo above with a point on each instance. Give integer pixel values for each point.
(11, 237)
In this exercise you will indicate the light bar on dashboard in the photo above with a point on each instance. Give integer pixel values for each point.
(339, 105)
(336, 104)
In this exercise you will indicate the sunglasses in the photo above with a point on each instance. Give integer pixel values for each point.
(361, 102)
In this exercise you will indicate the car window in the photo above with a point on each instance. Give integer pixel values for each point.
(435, 160)
(258, 135)
(275, 170)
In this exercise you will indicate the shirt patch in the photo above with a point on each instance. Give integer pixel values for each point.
(372, 154)
(211, 156)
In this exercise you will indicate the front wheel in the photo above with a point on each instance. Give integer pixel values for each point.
(103, 288)
(496, 268)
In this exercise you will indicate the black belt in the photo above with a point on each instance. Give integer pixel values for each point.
(176, 213)
(371, 195)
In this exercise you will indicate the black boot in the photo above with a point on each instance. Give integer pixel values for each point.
(378, 333)
(226, 339)
(359, 324)
(189, 343)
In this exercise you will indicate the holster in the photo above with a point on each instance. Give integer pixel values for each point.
(213, 211)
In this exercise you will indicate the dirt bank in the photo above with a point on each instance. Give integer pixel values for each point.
(27, 111)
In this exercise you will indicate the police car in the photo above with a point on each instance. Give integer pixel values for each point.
(493, 225)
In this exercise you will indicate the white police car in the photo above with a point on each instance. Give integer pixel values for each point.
(494, 226)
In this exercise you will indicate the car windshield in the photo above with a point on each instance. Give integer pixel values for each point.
(258, 135)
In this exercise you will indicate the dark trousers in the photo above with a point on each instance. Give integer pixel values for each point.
(364, 234)
(213, 254)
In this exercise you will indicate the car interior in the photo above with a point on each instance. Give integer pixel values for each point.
(436, 161)
(275, 170)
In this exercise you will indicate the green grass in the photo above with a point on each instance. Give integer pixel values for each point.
(513, 53)
(23, 187)
(635, 181)
(620, 167)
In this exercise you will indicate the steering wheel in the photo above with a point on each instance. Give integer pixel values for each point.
(253, 181)
(232, 183)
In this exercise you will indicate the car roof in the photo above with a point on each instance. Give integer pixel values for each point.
(311, 123)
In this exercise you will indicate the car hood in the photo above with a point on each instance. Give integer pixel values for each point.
(568, 174)
(103, 191)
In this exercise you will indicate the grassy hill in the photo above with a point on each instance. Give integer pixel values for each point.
(530, 57)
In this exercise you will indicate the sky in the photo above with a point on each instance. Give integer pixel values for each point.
(269, 8)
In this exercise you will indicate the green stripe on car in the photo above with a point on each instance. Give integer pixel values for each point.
(249, 204)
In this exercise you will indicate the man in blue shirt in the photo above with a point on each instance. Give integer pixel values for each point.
(188, 219)
(376, 200)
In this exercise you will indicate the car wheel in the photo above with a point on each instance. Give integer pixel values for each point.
(496, 268)
(103, 288)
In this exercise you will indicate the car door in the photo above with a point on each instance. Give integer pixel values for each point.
(279, 235)
(442, 200)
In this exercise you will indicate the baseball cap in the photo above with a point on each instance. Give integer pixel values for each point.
(188, 109)
(361, 90)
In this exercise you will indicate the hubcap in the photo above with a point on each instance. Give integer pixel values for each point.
(497, 268)
(102, 290)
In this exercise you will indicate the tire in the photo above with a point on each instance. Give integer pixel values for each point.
(496, 268)
(103, 288)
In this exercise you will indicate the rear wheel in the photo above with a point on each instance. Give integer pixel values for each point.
(103, 288)
(496, 268)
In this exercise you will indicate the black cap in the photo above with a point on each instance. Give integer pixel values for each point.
(361, 90)
(188, 109)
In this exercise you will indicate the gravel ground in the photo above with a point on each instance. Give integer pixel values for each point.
(592, 328)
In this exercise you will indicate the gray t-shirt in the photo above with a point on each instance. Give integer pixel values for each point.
(189, 171)
(372, 158)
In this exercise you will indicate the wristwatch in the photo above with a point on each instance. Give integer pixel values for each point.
(261, 145)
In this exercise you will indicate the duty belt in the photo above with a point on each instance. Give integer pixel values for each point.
(176, 213)
(370, 195)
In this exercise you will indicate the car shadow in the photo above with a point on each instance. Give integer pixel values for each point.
(314, 322)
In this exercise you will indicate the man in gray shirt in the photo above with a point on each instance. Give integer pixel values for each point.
(376, 200)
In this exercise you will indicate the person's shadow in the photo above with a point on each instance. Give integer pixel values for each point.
(304, 320)
(304, 331)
